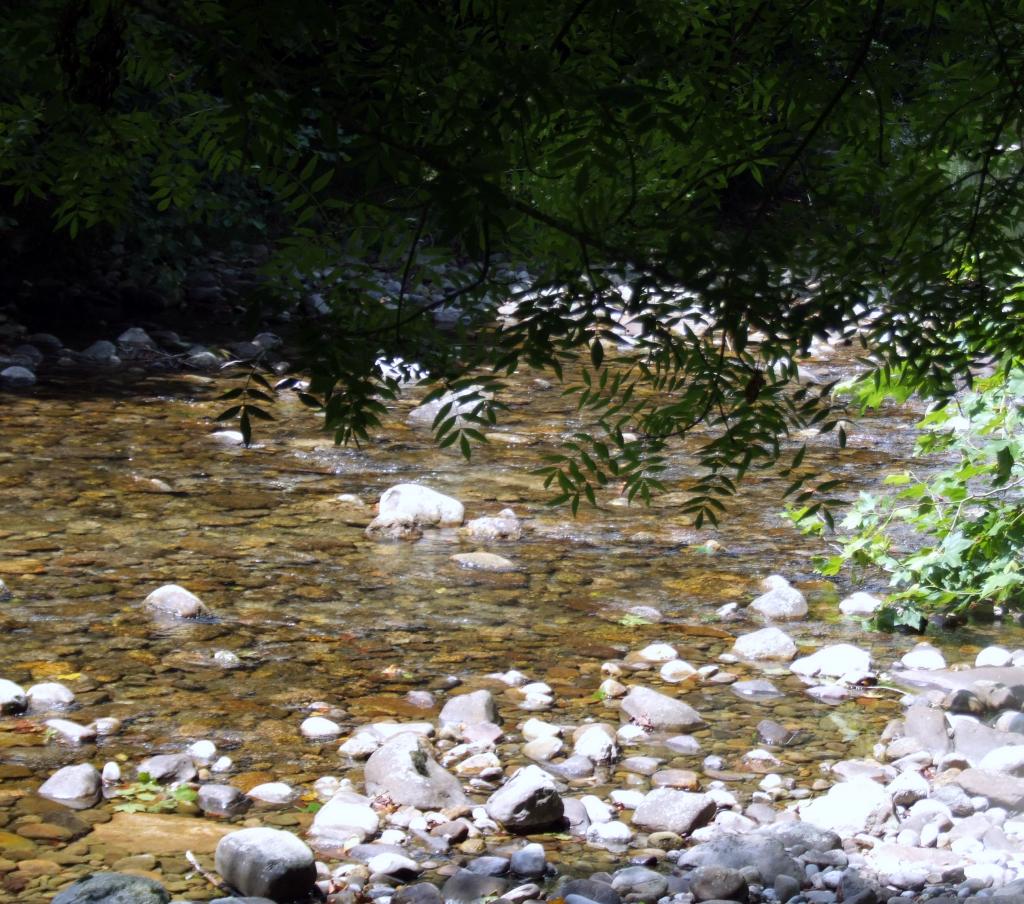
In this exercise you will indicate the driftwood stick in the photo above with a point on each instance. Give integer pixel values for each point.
(211, 876)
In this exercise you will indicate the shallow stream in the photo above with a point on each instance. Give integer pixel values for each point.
(113, 486)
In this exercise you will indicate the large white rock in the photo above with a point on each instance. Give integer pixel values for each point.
(319, 727)
(13, 698)
(654, 710)
(923, 656)
(993, 656)
(658, 652)
(77, 787)
(266, 863)
(860, 603)
(484, 561)
(536, 728)
(344, 817)
(674, 671)
(668, 810)
(504, 526)
(278, 794)
(528, 801)
(849, 807)
(50, 695)
(833, 661)
(423, 505)
(1009, 759)
(596, 743)
(768, 643)
(71, 732)
(172, 599)
(914, 867)
(405, 770)
(473, 708)
(782, 601)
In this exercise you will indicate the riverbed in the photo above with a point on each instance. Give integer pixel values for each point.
(114, 485)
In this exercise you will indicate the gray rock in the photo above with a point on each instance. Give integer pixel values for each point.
(763, 852)
(68, 732)
(659, 711)
(994, 656)
(13, 698)
(835, 660)
(576, 815)
(46, 341)
(176, 601)
(908, 788)
(850, 807)
(114, 888)
(265, 862)
(976, 741)
(469, 709)
(404, 769)
(860, 604)
(390, 863)
(31, 357)
(78, 787)
(913, 868)
(528, 801)
(425, 506)
(489, 866)
(135, 338)
(766, 644)
(786, 887)
(203, 359)
(484, 561)
(101, 352)
(800, 837)
(5, 592)
(529, 861)
(169, 767)
(668, 810)
(708, 883)
(343, 817)
(923, 656)
(1008, 759)
(589, 890)
(687, 745)
(420, 893)
(222, 800)
(958, 800)
(465, 887)
(781, 602)
(927, 726)
(506, 526)
(964, 679)
(756, 689)
(576, 766)
(639, 881)
(999, 789)
(17, 377)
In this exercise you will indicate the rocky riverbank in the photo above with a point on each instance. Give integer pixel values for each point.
(492, 799)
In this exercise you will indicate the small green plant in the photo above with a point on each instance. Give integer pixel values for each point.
(950, 535)
(145, 795)
(629, 620)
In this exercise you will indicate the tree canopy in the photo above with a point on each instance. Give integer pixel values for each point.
(731, 179)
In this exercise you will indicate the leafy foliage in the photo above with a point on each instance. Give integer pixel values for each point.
(146, 795)
(712, 186)
(951, 535)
